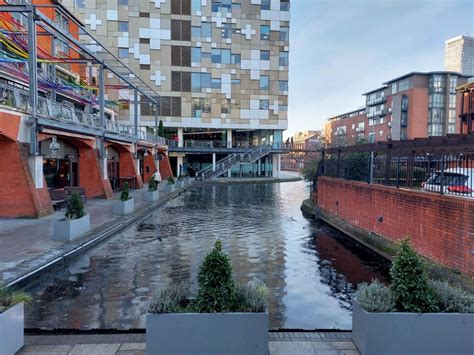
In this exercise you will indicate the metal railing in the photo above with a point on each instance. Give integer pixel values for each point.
(17, 98)
(223, 165)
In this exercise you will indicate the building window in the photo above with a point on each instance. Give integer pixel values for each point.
(196, 55)
(195, 32)
(221, 56)
(181, 56)
(235, 59)
(200, 106)
(180, 30)
(283, 85)
(453, 83)
(226, 106)
(283, 59)
(180, 81)
(196, 82)
(403, 85)
(123, 26)
(264, 55)
(80, 4)
(265, 4)
(181, 7)
(206, 30)
(195, 5)
(284, 34)
(264, 82)
(170, 106)
(215, 83)
(264, 104)
(216, 55)
(437, 83)
(226, 31)
(404, 102)
(452, 101)
(404, 119)
(284, 5)
(394, 88)
(264, 32)
(436, 100)
(123, 52)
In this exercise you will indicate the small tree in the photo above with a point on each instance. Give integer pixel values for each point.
(216, 286)
(125, 195)
(410, 282)
(161, 130)
(171, 180)
(152, 185)
(310, 170)
(74, 207)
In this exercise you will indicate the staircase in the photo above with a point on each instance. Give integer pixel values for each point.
(232, 160)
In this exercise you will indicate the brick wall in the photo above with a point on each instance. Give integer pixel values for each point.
(165, 167)
(90, 175)
(441, 227)
(148, 167)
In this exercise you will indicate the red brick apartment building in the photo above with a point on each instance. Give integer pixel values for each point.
(72, 140)
(415, 105)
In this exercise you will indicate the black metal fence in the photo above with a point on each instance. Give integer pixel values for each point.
(430, 165)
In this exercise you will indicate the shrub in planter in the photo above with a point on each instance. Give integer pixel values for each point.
(126, 204)
(169, 187)
(12, 320)
(181, 323)
(152, 193)
(401, 319)
(76, 221)
(171, 180)
(152, 184)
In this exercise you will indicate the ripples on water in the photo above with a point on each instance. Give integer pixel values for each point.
(310, 269)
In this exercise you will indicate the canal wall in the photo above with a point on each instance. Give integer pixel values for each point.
(440, 227)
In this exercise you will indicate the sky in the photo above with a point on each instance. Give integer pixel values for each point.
(340, 49)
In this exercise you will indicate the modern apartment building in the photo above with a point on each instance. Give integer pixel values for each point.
(415, 105)
(459, 55)
(221, 67)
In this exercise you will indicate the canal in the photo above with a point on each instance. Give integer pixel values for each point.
(310, 269)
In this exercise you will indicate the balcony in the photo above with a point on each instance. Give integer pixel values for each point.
(377, 100)
(377, 113)
(18, 99)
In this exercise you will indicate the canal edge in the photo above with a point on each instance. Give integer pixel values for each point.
(95, 237)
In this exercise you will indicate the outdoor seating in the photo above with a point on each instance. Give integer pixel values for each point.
(80, 190)
(58, 198)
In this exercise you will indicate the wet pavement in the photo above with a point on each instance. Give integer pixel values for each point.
(310, 268)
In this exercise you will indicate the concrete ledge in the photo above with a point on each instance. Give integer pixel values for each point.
(237, 181)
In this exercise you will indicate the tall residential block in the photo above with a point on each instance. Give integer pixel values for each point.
(221, 67)
(459, 55)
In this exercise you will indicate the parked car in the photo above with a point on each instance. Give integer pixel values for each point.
(457, 181)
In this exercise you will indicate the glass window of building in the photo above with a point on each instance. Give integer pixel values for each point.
(225, 106)
(196, 107)
(195, 32)
(394, 88)
(196, 82)
(265, 4)
(452, 101)
(264, 82)
(436, 100)
(404, 84)
(226, 30)
(195, 5)
(205, 55)
(123, 26)
(284, 34)
(235, 59)
(404, 102)
(80, 4)
(264, 32)
(453, 83)
(283, 59)
(206, 80)
(225, 56)
(206, 30)
(123, 52)
(283, 85)
(215, 83)
(437, 83)
(122, 2)
(264, 104)
(196, 55)
(216, 55)
(264, 55)
(235, 81)
(284, 5)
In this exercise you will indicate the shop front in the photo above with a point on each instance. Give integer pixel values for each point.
(60, 163)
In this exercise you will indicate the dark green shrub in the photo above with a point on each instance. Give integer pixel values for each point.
(10, 298)
(410, 282)
(74, 207)
(152, 184)
(310, 170)
(216, 286)
(171, 180)
(125, 195)
(452, 299)
(375, 297)
(161, 130)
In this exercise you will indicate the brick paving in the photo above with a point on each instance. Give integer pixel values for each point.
(280, 343)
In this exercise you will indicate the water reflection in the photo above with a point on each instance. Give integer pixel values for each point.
(310, 268)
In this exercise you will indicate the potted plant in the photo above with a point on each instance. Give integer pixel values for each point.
(414, 315)
(126, 204)
(12, 320)
(169, 187)
(152, 194)
(221, 319)
(75, 222)
(180, 182)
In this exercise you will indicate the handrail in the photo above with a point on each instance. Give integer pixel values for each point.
(19, 99)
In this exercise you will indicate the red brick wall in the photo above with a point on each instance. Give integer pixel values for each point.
(128, 167)
(165, 167)
(441, 227)
(18, 195)
(148, 162)
(90, 175)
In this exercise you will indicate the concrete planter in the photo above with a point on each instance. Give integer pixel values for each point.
(67, 230)
(11, 329)
(151, 196)
(169, 188)
(187, 180)
(180, 184)
(207, 333)
(124, 207)
(412, 333)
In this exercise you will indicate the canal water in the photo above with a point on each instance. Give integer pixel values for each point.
(310, 269)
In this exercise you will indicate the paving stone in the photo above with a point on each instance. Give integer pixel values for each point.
(46, 348)
(133, 346)
(290, 348)
(95, 349)
(333, 345)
